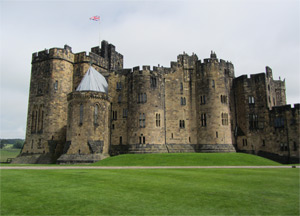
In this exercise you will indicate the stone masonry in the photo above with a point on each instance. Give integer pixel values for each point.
(193, 106)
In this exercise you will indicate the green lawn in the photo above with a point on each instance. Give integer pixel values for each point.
(150, 192)
(186, 159)
(8, 153)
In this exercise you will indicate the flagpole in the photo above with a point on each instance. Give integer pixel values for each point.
(99, 35)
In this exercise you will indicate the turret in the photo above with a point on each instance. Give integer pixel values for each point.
(214, 84)
(51, 81)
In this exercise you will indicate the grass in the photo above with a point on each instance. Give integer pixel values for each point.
(186, 159)
(8, 153)
(150, 192)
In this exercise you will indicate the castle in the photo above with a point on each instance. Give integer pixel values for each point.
(83, 108)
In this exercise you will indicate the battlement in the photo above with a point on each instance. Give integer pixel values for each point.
(54, 53)
(93, 58)
(106, 50)
(282, 109)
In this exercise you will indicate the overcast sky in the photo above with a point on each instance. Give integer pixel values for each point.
(250, 34)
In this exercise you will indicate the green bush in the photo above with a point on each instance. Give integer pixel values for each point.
(18, 144)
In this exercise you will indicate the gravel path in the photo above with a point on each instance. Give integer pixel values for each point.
(138, 167)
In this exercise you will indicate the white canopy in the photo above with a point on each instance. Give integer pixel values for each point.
(93, 81)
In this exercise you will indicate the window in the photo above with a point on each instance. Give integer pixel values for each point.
(119, 99)
(253, 121)
(157, 120)
(40, 144)
(279, 122)
(40, 88)
(181, 124)
(33, 122)
(224, 118)
(96, 114)
(263, 143)
(115, 115)
(181, 86)
(142, 98)
(295, 146)
(119, 85)
(202, 99)
(171, 135)
(80, 114)
(213, 83)
(142, 139)
(56, 85)
(142, 120)
(182, 101)
(283, 147)
(203, 119)
(217, 135)
(251, 100)
(153, 82)
(223, 99)
(245, 142)
(120, 140)
(125, 113)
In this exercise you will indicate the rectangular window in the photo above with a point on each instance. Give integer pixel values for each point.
(251, 100)
(119, 85)
(142, 98)
(125, 113)
(181, 86)
(224, 118)
(142, 120)
(182, 101)
(253, 121)
(56, 85)
(153, 82)
(181, 124)
(203, 119)
(120, 140)
(157, 120)
(115, 115)
(279, 122)
(224, 99)
(142, 139)
(119, 99)
(213, 84)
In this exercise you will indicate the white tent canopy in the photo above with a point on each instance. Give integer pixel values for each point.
(93, 81)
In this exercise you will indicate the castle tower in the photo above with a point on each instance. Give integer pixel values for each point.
(51, 81)
(146, 130)
(214, 86)
(88, 133)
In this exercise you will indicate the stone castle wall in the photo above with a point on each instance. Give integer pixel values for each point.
(192, 106)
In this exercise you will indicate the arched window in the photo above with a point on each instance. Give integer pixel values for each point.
(81, 114)
(96, 114)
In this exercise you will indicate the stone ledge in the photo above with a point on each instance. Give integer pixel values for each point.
(80, 158)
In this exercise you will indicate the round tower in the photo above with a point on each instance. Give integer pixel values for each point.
(214, 82)
(88, 132)
(146, 131)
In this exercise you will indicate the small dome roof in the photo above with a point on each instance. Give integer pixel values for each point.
(93, 81)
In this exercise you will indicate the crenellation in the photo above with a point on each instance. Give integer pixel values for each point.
(192, 106)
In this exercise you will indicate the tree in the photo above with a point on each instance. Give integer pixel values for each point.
(18, 144)
(2, 144)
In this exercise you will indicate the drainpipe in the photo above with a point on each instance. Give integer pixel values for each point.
(287, 138)
(165, 124)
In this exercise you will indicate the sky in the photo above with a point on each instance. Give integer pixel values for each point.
(252, 34)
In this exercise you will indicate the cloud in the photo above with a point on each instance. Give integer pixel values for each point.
(250, 34)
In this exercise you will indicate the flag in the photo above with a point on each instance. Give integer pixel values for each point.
(95, 18)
